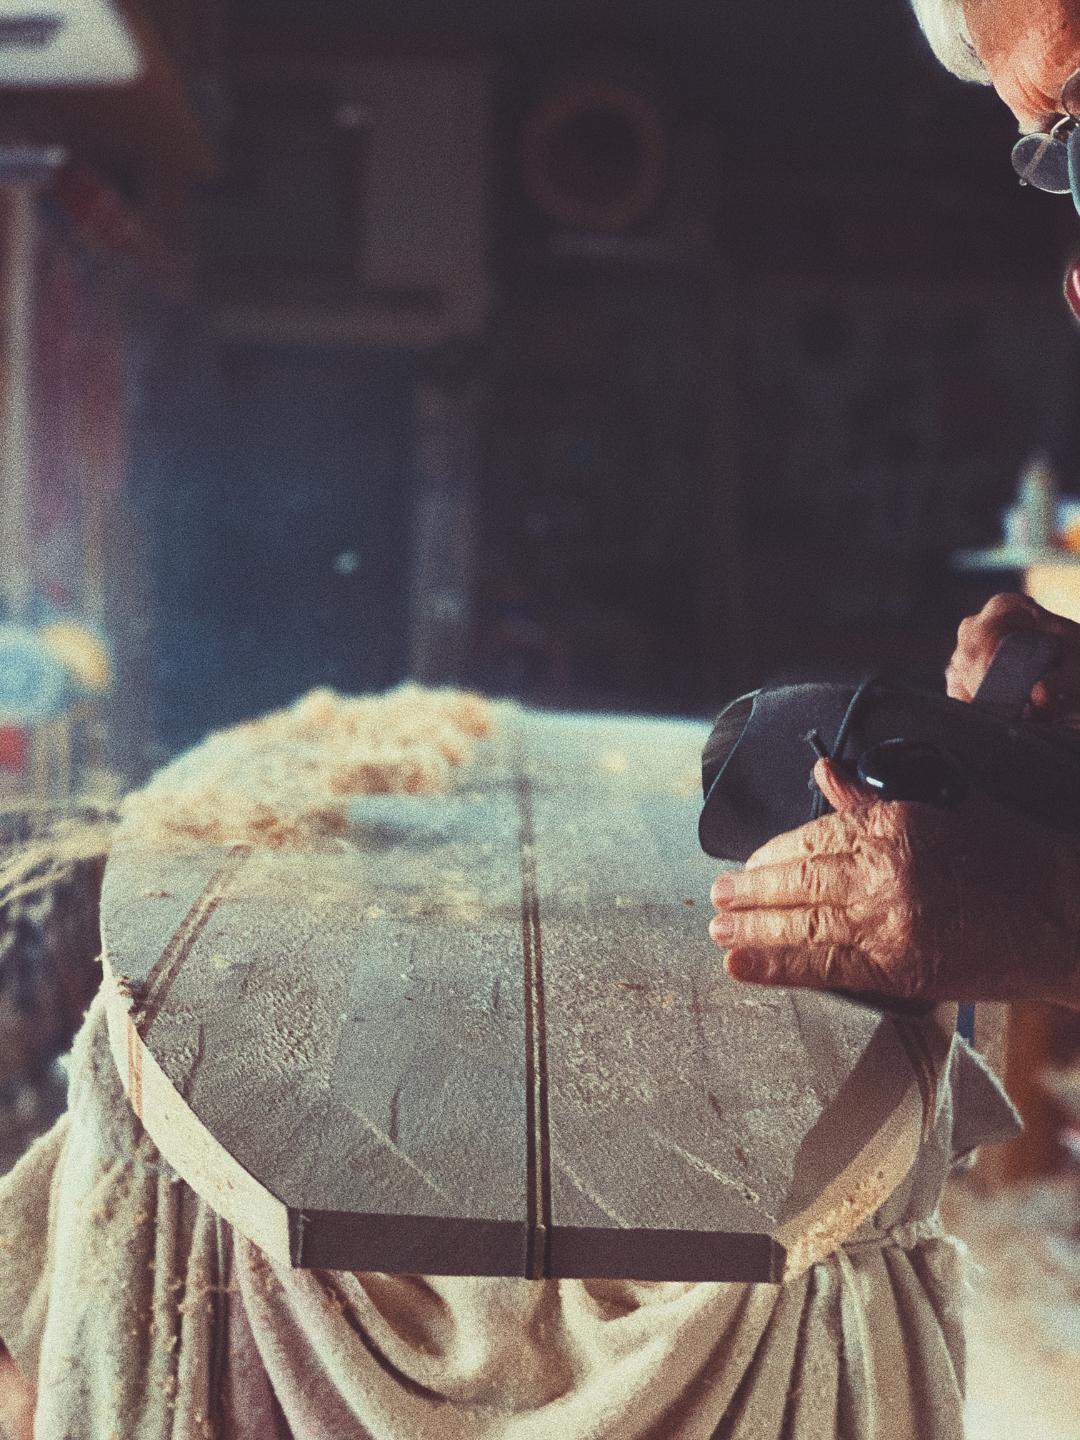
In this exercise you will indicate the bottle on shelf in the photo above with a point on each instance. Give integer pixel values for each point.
(1036, 503)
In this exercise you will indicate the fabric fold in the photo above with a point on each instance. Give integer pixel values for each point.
(142, 1316)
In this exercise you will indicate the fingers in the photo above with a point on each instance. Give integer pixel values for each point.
(777, 929)
(824, 880)
(841, 968)
(956, 684)
(831, 835)
(1002, 615)
(834, 967)
(1058, 696)
(844, 968)
(979, 636)
(1042, 698)
(840, 790)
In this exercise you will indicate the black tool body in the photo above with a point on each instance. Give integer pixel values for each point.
(907, 743)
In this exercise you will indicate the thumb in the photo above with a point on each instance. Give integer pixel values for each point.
(842, 792)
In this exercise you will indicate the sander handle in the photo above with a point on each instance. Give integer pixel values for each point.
(1022, 659)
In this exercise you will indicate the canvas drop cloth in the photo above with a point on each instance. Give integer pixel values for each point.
(142, 1316)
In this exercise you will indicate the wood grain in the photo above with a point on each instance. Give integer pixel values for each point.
(298, 1005)
(487, 1033)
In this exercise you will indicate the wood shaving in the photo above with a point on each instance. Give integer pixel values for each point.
(826, 1234)
(285, 780)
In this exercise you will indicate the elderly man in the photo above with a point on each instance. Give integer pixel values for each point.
(904, 899)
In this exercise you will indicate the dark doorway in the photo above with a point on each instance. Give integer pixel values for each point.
(284, 536)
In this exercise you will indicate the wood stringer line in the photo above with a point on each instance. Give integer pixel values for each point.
(538, 1147)
(168, 965)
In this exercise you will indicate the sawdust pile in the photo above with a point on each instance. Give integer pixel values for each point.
(50, 879)
(285, 780)
(45, 850)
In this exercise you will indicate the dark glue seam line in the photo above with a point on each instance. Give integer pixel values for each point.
(162, 976)
(537, 1157)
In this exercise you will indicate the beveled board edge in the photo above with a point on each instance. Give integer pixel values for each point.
(585, 1253)
(851, 1198)
(215, 1176)
(333, 1240)
(406, 1244)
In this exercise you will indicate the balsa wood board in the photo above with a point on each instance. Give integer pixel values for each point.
(488, 1033)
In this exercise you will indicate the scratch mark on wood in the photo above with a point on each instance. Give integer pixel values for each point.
(186, 1085)
(697, 1163)
(592, 1196)
(384, 1139)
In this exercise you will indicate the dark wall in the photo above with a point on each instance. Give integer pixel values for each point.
(281, 526)
(746, 436)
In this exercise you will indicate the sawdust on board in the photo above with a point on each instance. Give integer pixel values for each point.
(285, 783)
(826, 1234)
(285, 780)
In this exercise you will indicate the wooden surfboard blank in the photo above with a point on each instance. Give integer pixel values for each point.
(488, 1034)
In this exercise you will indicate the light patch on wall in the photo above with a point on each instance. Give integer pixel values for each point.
(65, 42)
(347, 563)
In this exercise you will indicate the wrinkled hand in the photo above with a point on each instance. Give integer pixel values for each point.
(908, 901)
(1056, 698)
(1029, 48)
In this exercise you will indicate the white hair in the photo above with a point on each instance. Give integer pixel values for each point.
(946, 28)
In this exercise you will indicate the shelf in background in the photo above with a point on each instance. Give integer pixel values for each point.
(1010, 557)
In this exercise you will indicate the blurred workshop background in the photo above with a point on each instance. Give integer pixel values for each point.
(602, 353)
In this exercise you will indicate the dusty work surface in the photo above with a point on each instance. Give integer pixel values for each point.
(485, 1032)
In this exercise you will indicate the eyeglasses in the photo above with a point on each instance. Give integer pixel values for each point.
(1051, 161)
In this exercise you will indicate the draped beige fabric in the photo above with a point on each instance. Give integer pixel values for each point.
(143, 1317)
